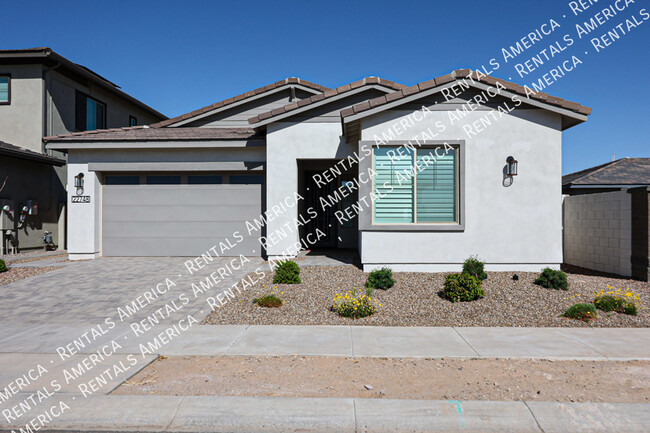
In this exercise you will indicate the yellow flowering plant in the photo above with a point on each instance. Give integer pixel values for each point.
(610, 299)
(355, 304)
(627, 302)
(270, 300)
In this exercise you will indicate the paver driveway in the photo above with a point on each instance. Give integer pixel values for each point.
(87, 292)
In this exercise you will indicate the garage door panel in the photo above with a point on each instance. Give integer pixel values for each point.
(179, 213)
(175, 247)
(168, 195)
(169, 229)
(178, 220)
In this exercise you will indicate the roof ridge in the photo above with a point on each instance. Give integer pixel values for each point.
(367, 81)
(95, 131)
(240, 97)
(458, 74)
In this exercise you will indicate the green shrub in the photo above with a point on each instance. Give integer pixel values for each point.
(462, 288)
(474, 266)
(270, 301)
(584, 312)
(286, 272)
(630, 308)
(608, 303)
(354, 304)
(552, 279)
(380, 279)
(3, 267)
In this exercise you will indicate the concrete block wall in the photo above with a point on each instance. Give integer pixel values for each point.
(598, 231)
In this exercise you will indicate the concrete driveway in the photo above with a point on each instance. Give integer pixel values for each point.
(87, 292)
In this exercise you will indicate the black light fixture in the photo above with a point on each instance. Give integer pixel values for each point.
(511, 169)
(79, 183)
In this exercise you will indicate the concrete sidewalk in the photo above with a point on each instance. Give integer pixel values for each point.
(350, 341)
(275, 414)
(24, 346)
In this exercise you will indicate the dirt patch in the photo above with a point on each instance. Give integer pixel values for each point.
(414, 301)
(15, 274)
(403, 378)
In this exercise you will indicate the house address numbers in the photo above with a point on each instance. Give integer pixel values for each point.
(80, 199)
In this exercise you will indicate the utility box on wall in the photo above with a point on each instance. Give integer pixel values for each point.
(6, 214)
(32, 207)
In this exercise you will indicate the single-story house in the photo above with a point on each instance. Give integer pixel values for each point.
(416, 178)
(607, 218)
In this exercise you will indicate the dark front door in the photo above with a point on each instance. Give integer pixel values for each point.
(321, 228)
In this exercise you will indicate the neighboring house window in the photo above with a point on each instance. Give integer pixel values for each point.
(415, 185)
(90, 113)
(246, 179)
(133, 121)
(201, 179)
(5, 89)
(113, 179)
(163, 179)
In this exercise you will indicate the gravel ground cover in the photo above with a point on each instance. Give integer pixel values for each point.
(29, 259)
(414, 301)
(403, 378)
(15, 274)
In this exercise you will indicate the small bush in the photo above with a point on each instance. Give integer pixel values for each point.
(287, 272)
(608, 303)
(474, 266)
(3, 266)
(630, 308)
(269, 301)
(584, 312)
(354, 304)
(552, 279)
(381, 279)
(462, 288)
(616, 300)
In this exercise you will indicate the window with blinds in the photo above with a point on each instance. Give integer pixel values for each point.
(415, 185)
(4, 89)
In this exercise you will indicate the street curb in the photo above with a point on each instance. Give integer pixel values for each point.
(200, 414)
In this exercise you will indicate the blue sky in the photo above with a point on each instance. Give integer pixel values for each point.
(178, 56)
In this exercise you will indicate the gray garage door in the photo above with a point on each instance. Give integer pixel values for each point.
(178, 220)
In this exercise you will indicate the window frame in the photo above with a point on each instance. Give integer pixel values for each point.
(366, 217)
(85, 111)
(133, 121)
(8, 101)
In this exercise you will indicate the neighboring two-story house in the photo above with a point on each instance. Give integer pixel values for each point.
(43, 94)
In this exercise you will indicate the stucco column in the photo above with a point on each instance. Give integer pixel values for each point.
(84, 219)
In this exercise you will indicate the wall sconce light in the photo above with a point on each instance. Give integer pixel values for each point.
(79, 183)
(511, 169)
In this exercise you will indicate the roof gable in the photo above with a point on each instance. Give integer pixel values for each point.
(288, 83)
(328, 96)
(573, 110)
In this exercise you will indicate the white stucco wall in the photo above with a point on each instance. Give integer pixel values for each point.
(598, 231)
(84, 219)
(511, 228)
(285, 144)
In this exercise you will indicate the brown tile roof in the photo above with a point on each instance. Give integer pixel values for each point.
(625, 171)
(285, 82)
(457, 75)
(325, 95)
(11, 150)
(145, 133)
